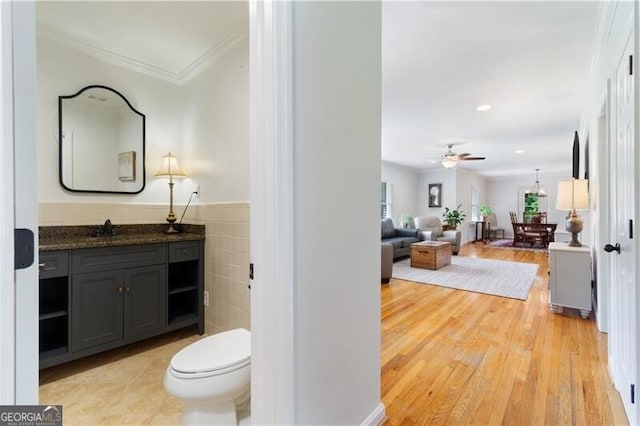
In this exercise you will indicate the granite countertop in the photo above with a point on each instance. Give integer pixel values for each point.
(77, 237)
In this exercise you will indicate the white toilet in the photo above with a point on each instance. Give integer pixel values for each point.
(212, 378)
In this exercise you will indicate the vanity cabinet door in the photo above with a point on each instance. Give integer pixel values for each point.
(97, 309)
(145, 300)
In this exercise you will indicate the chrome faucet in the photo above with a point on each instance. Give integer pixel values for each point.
(108, 228)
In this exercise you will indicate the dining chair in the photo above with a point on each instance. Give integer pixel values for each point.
(493, 228)
(521, 234)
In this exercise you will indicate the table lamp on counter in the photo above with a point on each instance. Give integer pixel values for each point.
(573, 195)
(170, 168)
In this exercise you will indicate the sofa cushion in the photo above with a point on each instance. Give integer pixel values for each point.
(395, 242)
(407, 241)
(388, 230)
(407, 232)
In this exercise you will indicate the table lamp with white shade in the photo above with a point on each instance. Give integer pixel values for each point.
(573, 194)
(170, 168)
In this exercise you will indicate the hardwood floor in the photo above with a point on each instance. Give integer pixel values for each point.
(454, 357)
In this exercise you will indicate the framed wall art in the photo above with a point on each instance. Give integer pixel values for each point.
(127, 164)
(435, 195)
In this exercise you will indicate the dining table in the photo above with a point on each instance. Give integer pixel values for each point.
(544, 231)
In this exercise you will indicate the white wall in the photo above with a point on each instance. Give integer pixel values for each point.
(337, 115)
(465, 180)
(216, 127)
(404, 182)
(448, 180)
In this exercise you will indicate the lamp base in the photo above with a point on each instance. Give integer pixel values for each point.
(574, 241)
(171, 229)
(574, 225)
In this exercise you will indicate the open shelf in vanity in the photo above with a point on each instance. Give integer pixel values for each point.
(185, 270)
(53, 302)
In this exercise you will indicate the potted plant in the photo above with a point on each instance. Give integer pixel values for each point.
(406, 220)
(485, 212)
(453, 217)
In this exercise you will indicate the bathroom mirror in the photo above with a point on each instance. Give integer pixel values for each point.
(101, 142)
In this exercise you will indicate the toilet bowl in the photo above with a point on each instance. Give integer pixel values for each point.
(212, 378)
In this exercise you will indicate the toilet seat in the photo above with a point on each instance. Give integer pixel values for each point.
(214, 355)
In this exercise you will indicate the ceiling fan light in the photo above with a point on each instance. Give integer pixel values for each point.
(449, 162)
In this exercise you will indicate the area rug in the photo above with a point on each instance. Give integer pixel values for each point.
(495, 277)
(509, 244)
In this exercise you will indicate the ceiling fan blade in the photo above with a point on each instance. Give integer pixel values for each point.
(464, 154)
(471, 158)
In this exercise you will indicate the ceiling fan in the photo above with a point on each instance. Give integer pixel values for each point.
(450, 158)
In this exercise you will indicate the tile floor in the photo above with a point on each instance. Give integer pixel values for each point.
(122, 386)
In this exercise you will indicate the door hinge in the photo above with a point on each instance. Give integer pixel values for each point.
(23, 248)
(630, 64)
(631, 229)
(250, 275)
(633, 393)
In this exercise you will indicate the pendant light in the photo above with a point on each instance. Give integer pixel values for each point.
(537, 190)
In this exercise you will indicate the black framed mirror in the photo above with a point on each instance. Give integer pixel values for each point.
(101, 142)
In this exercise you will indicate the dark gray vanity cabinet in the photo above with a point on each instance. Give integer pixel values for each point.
(118, 293)
(95, 299)
(112, 305)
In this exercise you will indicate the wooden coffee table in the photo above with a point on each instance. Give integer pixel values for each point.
(430, 254)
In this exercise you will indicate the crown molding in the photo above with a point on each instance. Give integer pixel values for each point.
(103, 53)
(212, 55)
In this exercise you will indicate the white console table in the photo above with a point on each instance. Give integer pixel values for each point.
(570, 277)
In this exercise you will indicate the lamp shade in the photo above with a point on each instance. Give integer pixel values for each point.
(169, 167)
(573, 194)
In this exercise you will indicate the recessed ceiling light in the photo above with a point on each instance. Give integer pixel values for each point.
(518, 151)
(483, 107)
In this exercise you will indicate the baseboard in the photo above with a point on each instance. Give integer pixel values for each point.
(377, 416)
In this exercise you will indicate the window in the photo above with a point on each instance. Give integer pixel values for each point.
(531, 206)
(534, 208)
(475, 204)
(385, 200)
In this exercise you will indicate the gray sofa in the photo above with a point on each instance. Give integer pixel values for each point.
(399, 238)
